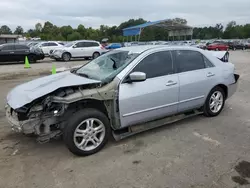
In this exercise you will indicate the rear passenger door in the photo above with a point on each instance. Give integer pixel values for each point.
(20, 52)
(196, 77)
(91, 47)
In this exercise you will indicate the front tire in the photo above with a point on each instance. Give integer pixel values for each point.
(95, 55)
(215, 102)
(87, 132)
(66, 56)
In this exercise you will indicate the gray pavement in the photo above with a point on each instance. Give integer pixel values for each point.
(194, 153)
(15, 70)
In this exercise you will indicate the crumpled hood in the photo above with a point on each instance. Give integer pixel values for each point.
(27, 92)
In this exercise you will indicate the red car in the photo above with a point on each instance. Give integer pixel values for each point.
(218, 47)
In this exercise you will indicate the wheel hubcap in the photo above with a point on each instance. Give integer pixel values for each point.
(216, 101)
(66, 57)
(89, 134)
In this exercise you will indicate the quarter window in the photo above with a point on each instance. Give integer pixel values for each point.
(156, 64)
(188, 60)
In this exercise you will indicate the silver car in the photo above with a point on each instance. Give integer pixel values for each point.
(123, 92)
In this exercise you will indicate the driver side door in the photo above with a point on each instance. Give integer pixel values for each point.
(154, 98)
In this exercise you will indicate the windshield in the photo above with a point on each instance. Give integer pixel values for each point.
(69, 44)
(107, 66)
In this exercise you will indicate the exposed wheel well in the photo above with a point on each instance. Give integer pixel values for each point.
(89, 103)
(225, 89)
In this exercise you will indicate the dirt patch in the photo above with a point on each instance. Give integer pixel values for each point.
(240, 180)
(243, 168)
(136, 162)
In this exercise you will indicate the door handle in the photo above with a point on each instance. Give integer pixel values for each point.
(171, 83)
(210, 74)
(11, 52)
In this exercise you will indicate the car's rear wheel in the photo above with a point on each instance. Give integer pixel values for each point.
(87, 132)
(215, 102)
(66, 56)
(95, 55)
(32, 58)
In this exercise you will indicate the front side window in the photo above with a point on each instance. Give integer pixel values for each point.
(52, 44)
(107, 66)
(21, 47)
(156, 64)
(44, 44)
(188, 60)
(80, 45)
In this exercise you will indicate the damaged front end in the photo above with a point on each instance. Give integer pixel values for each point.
(43, 117)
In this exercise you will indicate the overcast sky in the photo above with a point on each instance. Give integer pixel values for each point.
(93, 13)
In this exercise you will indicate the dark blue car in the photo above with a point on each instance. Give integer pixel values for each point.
(113, 46)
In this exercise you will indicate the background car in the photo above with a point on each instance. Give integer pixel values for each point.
(48, 46)
(18, 52)
(218, 47)
(113, 46)
(79, 49)
(236, 45)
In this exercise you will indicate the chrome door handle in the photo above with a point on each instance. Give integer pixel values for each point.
(171, 83)
(210, 74)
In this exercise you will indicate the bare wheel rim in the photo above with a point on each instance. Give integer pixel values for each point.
(216, 101)
(89, 134)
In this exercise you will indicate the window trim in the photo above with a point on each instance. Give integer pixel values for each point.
(124, 79)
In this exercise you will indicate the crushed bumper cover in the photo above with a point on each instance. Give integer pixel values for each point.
(26, 127)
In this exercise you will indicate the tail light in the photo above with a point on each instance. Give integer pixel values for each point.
(102, 47)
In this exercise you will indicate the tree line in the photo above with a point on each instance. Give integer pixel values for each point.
(49, 31)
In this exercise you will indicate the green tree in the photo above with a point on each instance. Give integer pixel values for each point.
(66, 31)
(19, 30)
(5, 30)
(74, 36)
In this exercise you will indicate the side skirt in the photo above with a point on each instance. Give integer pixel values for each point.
(129, 131)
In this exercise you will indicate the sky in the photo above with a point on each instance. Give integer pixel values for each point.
(93, 13)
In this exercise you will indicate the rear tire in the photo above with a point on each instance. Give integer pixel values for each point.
(32, 58)
(66, 56)
(82, 131)
(215, 102)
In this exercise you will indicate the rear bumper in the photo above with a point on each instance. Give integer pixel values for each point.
(232, 88)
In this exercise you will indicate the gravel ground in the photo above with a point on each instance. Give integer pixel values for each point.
(197, 153)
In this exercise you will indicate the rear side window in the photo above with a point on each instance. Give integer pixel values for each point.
(8, 47)
(156, 64)
(21, 47)
(188, 60)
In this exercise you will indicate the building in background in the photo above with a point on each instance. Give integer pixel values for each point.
(8, 38)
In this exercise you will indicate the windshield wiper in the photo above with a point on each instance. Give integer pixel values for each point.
(83, 75)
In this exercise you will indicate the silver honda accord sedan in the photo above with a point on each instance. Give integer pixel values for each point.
(121, 93)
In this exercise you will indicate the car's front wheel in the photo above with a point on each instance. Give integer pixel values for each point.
(87, 132)
(66, 56)
(215, 102)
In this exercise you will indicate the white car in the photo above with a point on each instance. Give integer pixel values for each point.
(48, 46)
(79, 49)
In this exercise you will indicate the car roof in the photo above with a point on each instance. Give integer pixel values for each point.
(86, 41)
(141, 49)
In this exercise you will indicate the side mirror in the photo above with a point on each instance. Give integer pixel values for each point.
(137, 77)
(74, 46)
